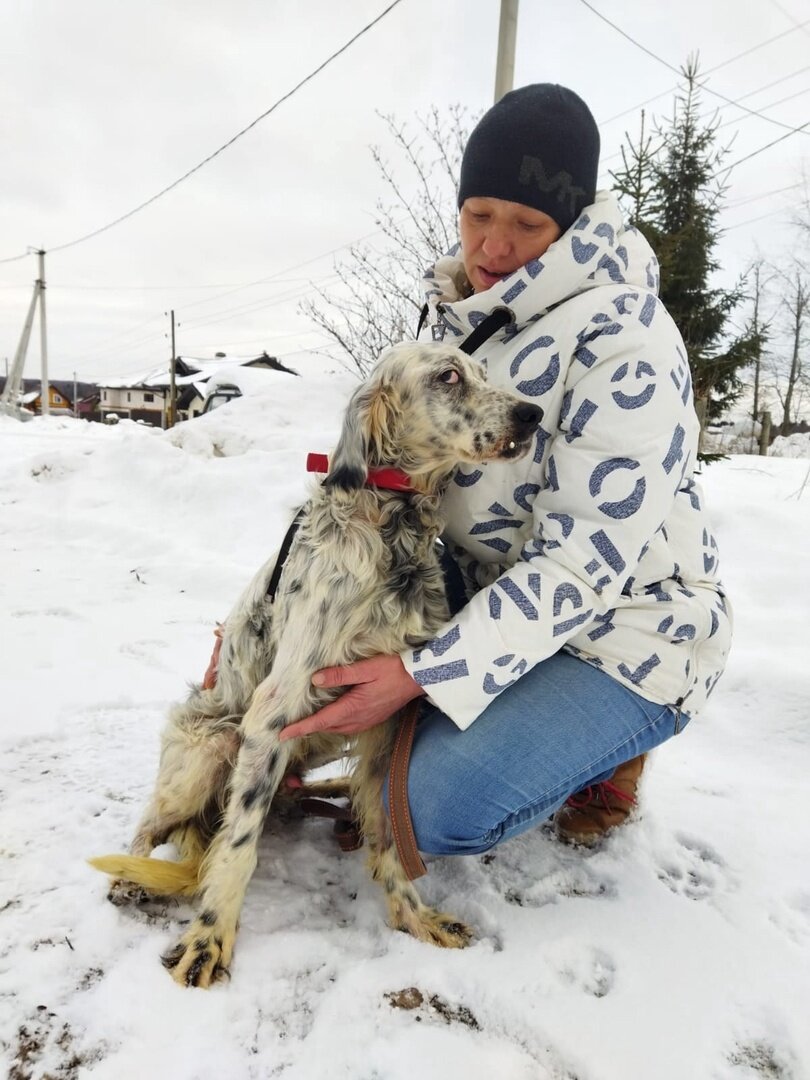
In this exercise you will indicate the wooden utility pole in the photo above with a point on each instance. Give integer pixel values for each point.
(507, 36)
(173, 381)
(45, 395)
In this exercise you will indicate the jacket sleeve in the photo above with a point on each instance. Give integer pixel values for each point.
(626, 436)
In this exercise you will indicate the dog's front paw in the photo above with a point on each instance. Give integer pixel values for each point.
(202, 956)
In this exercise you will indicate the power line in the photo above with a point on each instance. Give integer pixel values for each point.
(767, 146)
(732, 204)
(225, 146)
(195, 325)
(717, 67)
(173, 286)
(259, 340)
(286, 270)
(237, 288)
(709, 112)
(771, 105)
(715, 93)
(253, 305)
(751, 221)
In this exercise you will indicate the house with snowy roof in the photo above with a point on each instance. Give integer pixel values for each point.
(66, 397)
(147, 397)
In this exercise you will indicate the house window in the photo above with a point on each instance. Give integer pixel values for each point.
(57, 399)
(148, 397)
(103, 395)
(129, 396)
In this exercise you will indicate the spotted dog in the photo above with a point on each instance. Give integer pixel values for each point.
(362, 578)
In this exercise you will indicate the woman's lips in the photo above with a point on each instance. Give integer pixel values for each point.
(490, 278)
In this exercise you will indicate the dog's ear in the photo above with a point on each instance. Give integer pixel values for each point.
(348, 468)
(380, 422)
(367, 439)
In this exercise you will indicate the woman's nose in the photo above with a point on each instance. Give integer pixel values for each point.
(496, 243)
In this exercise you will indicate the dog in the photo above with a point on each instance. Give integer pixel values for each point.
(362, 578)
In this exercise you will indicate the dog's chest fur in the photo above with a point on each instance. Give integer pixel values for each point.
(362, 578)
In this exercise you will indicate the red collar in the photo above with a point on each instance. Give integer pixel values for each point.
(392, 479)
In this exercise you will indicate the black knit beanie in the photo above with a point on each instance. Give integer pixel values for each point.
(539, 146)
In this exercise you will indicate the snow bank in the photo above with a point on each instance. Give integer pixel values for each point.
(791, 446)
(681, 948)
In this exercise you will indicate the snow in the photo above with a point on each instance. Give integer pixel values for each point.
(678, 949)
(792, 446)
(742, 437)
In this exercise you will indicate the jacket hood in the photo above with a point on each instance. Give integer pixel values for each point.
(597, 250)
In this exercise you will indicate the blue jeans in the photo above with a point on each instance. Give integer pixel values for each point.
(562, 726)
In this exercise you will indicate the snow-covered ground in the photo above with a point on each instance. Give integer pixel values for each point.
(680, 949)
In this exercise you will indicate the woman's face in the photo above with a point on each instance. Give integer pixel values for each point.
(498, 237)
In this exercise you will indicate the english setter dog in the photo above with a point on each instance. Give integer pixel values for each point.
(362, 578)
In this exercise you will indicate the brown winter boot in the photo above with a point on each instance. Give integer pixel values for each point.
(589, 814)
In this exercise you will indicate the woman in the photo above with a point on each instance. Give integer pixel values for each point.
(595, 625)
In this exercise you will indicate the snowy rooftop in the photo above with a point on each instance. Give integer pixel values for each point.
(161, 376)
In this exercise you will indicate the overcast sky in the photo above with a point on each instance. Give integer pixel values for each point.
(104, 103)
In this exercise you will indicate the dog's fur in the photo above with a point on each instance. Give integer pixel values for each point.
(362, 578)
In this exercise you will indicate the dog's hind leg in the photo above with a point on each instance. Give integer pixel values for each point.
(406, 910)
(196, 759)
(197, 755)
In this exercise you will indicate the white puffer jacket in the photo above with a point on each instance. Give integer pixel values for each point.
(599, 542)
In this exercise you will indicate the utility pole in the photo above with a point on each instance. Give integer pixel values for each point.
(75, 396)
(173, 380)
(507, 35)
(10, 398)
(45, 395)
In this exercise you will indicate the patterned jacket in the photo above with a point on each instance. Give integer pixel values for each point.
(598, 542)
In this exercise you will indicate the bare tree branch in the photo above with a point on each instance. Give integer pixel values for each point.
(376, 299)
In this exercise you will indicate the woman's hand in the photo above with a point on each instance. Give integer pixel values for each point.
(379, 686)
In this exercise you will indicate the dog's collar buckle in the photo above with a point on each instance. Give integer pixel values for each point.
(390, 479)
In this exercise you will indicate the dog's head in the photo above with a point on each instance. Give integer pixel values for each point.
(426, 409)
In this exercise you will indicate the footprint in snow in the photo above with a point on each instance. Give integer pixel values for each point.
(56, 612)
(759, 1059)
(151, 650)
(592, 972)
(695, 870)
(544, 874)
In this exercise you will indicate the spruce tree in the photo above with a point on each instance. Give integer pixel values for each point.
(672, 186)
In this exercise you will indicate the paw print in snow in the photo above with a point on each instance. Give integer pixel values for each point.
(695, 870)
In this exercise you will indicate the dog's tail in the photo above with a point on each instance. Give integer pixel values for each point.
(158, 876)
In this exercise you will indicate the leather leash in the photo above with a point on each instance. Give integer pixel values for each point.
(346, 827)
(399, 809)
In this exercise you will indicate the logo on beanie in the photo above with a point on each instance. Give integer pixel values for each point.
(532, 171)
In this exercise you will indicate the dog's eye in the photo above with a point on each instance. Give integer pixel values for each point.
(451, 377)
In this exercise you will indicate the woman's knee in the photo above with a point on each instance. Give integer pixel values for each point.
(439, 823)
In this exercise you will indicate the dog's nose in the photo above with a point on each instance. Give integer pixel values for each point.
(527, 416)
